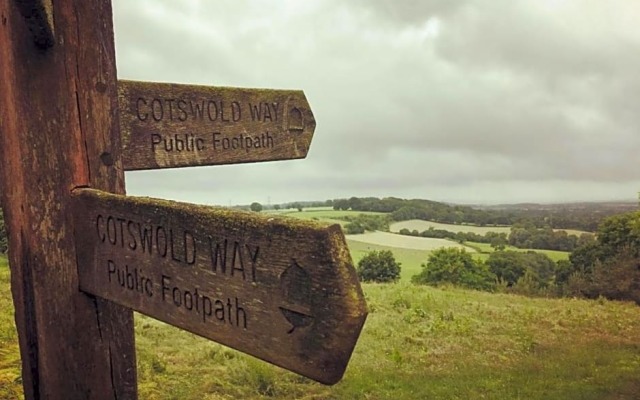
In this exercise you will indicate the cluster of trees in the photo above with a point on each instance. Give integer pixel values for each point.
(257, 207)
(519, 272)
(523, 236)
(608, 266)
(496, 239)
(579, 216)
(363, 222)
(528, 236)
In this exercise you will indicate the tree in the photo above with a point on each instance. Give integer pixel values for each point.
(499, 242)
(511, 266)
(276, 207)
(457, 267)
(609, 266)
(354, 228)
(378, 266)
(507, 266)
(255, 206)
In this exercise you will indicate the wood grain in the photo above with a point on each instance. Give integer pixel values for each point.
(167, 125)
(282, 290)
(59, 131)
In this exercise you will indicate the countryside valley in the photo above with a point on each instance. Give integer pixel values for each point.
(502, 302)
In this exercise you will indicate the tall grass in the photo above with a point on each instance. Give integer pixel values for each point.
(418, 343)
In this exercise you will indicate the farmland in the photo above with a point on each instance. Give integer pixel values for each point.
(410, 251)
(421, 225)
(405, 242)
(418, 342)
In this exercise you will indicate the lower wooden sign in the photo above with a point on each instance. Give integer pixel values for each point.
(282, 290)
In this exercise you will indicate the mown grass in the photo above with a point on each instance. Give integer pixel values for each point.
(418, 343)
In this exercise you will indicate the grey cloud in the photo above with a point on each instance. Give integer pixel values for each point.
(410, 96)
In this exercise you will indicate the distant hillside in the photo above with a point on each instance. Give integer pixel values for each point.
(580, 216)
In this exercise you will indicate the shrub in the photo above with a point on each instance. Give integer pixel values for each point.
(457, 267)
(353, 228)
(378, 266)
(617, 278)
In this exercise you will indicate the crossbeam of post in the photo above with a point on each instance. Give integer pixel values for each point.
(59, 131)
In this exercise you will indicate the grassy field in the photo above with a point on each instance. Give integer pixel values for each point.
(418, 343)
(420, 225)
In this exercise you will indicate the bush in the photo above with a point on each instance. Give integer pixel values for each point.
(617, 278)
(510, 266)
(353, 228)
(457, 267)
(378, 266)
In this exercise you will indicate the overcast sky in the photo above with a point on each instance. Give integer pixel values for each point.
(483, 101)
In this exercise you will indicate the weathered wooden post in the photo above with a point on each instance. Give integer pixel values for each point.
(58, 132)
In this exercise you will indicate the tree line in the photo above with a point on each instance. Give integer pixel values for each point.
(584, 216)
(523, 236)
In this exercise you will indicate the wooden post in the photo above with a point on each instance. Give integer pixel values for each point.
(59, 131)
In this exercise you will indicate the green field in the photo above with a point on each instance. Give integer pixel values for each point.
(406, 242)
(418, 343)
(410, 259)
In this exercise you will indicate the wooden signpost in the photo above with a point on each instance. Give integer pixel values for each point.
(166, 125)
(83, 255)
(281, 290)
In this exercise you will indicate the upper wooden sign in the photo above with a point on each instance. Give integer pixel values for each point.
(165, 125)
(282, 290)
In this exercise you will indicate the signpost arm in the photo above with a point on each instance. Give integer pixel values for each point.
(59, 131)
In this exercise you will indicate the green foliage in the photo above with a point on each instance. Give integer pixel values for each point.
(378, 266)
(615, 278)
(255, 206)
(610, 265)
(581, 217)
(354, 228)
(457, 267)
(511, 266)
(528, 236)
(368, 222)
